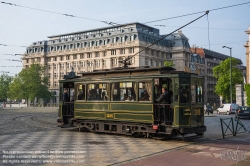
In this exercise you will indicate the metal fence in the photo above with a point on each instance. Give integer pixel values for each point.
(229, 128)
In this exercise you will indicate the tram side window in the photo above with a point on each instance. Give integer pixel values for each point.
(72, 94)
(193, 93)
(199, 94)
(98, 91)
(145, 91)
(123, 91)
(80, 92)
(184, 93)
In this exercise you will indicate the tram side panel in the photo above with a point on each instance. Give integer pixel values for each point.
(133, 112)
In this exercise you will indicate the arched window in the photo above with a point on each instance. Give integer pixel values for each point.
(122, 39)
(131, 38)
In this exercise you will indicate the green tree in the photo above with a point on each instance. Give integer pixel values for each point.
(4, 86)
(222, 73)
(247, 88)
(169, 63)
(30, 83)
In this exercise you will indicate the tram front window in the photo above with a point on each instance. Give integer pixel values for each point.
(184, 93)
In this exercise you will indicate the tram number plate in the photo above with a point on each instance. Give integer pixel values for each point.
(110, 116)
(197, 112)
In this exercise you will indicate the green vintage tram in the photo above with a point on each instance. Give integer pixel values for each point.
(122, 101)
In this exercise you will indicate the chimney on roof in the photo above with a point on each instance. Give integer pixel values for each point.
(179, 31)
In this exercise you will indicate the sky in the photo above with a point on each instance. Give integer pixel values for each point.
(21, 26)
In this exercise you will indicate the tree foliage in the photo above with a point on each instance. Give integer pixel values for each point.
(168, 63)
(4, 86)
(30, 83)
(222, 73)
(247, 88)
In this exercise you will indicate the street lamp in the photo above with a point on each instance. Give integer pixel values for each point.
(230, 72)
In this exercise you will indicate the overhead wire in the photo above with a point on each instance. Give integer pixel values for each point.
(12, 54)
(11, 66)
(222, 43)
(197, 12)
(12, 60)
(164, 36)
(202, 27)
(11, 45)
(64, 14)
(114, 24)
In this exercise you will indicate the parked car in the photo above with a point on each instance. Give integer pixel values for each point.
(242, 112)
(208, 109)
(227, 109)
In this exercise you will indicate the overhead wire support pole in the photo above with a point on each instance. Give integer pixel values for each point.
(128, 58)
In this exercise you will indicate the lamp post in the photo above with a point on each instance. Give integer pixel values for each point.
(230, 72)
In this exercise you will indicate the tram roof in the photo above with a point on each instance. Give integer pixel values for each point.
(161, 70)
(123, 72)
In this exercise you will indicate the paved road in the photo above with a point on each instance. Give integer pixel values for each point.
(57, 145)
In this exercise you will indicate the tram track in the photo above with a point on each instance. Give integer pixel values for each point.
(27, 122)
(34, 116)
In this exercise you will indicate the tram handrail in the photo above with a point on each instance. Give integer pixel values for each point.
(163, 113)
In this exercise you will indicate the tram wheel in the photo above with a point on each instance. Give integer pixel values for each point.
(200, 134)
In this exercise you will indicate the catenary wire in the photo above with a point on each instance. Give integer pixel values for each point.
(64, 14)
(114, 24)
(11, 45)
(197, 12)
(202, 27)
(164, 36)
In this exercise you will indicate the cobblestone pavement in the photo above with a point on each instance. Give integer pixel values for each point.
(101, 149)
(59, 145)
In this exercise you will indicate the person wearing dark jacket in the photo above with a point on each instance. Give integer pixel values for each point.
(66, 96)
(165, 114)
(165, 97)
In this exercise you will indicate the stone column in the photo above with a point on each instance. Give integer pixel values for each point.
(239, 94)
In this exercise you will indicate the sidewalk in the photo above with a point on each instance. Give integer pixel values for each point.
(214, 152)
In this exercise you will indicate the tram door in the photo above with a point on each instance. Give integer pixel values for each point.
(162, 109)
(67, 99)
(197, 102)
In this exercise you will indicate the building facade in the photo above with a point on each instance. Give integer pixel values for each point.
(212, 59)
(103, 48)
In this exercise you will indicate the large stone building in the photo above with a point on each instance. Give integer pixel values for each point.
(102, 48)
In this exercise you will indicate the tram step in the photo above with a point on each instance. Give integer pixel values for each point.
(169, 130)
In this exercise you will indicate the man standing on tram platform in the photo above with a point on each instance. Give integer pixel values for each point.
(65, 95)
(165, 97)
(165, 114)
